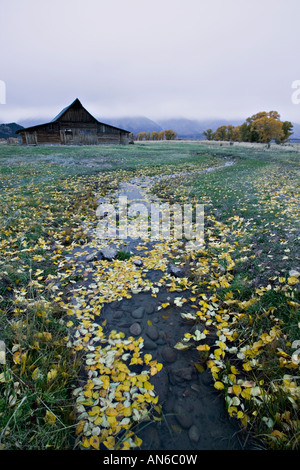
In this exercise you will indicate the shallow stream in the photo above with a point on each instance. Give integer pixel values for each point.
(193, 411)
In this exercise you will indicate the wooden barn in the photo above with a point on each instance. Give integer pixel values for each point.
(74, 125)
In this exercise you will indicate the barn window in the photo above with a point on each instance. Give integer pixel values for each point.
(68, 131)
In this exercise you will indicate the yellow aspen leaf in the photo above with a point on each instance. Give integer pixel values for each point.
(232, 410)
(47, 336)
(247, 366)
(292, 280)
(147, 358)
(112, 421)
(51, 375)
(234, 370)
(148, 386)
(110, 442)
(149, 323)
(121, 377)
(181, 346)
(244, 420)
(80, 426)
(94, 442)
(219, 385)
(86, 443)
(158, 409)
(236, 389)
(17, 357)
(119, 406)
(50, 418)
(94, 411)
(140, 398)
(165, 305)
(127, 411)
(246, 393)
(153, 370)
(203, 347)
(111, 412)
(278, 434)
(232, 377)
(138, 442)
(126, 445)
(218, 353)
(36, 374)
(199, 367)
(142, 377)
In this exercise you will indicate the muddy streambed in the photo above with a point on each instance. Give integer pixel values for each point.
(193, 411)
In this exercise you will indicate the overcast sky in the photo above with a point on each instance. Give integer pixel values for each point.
(159, 58)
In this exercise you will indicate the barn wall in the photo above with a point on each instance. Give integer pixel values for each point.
(77, 115)
(75, 133)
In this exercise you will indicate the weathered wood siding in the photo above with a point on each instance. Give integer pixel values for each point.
(75, 134)
(74, 126)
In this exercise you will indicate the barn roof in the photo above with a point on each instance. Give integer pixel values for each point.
(63, 111)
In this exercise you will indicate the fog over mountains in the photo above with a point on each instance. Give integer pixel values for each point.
(185, 128)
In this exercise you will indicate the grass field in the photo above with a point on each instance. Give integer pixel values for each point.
(248, 270)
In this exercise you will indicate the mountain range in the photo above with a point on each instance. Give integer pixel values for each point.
(185, 128)
(9, 130)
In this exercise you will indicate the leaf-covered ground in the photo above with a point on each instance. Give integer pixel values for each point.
(65, 379)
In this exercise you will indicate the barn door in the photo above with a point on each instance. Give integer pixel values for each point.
(31, 138)
(66, 136)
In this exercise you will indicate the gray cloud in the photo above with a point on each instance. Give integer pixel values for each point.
(163, 58)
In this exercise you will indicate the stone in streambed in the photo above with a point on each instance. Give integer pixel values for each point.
(149, 308)
(149, 344)
(176, 271)
(135, 329)
(138, 313)
(183, 417)
(183, 373)
(91, 257)
(194, 433)
(152, 332)
(138, 262)
(161, 385)
(107, 253)
(169, 354)
(117, 314)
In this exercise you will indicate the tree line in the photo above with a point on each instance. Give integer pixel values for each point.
(261, 127)
(168, 134)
